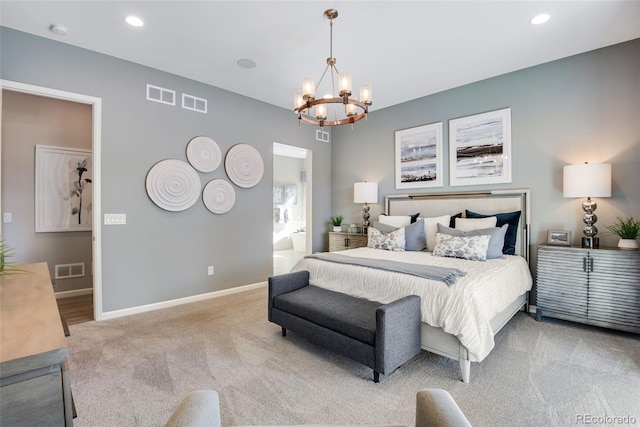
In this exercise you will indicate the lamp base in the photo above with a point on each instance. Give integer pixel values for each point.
(365, 218)
(591, 242)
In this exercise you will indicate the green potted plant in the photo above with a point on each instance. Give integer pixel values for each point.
(628, 230)
(336, 221)
(7, 268)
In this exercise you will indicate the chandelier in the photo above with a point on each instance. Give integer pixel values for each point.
(342, 107)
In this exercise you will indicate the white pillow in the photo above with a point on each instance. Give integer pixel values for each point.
(468, 247)
(431, 228)
(394, 241)
(397, 221)
(468, 224)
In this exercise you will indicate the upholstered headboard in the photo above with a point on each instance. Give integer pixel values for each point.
(486, 202)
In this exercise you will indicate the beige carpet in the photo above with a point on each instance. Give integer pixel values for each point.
(133, 371)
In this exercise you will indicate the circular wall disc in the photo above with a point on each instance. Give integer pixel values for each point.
(204, 154)
(219, 196)
(173, 185)
(244, 165)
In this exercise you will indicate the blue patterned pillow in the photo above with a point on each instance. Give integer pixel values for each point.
(394, 241)
(468, 247)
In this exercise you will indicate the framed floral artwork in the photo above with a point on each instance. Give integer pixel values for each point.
(480, 148)
(418, 154)
(64, 196)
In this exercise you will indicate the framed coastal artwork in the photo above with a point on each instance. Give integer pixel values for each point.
(64, 194)
(480, 149)
(418, 156)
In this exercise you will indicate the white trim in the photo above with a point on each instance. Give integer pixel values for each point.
(180, 301)
(96, 103)
(73, 293)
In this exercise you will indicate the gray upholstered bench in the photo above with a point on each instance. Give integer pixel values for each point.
(380, 336)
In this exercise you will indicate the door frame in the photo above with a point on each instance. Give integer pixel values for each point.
(96, 144)
(308, 189)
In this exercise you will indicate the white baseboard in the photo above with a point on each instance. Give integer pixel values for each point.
(532, 309)
(74, 293)
(172, 303)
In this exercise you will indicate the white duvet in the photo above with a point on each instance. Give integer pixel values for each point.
(463, 309)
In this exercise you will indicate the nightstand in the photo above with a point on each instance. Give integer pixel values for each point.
(339, 241)
(599, 287)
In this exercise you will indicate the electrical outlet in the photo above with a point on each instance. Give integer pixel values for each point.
(210, 270)
(7, 217)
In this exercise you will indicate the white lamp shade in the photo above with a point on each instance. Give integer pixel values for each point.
(365, 192)
(587, 180)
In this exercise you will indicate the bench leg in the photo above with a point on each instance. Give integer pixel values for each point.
(465, 370)
(376, 376)
(284, 332)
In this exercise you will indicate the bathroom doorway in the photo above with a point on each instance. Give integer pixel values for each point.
(291, 206)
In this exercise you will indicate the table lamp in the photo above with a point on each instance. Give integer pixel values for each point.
(365, 192)
(588, 180)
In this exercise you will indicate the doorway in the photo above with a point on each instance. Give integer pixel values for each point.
(292, 177)
(93, 269)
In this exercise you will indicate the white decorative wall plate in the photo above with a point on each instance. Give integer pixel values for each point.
(173, 185)
(219, 196)
(204, 154)
(244, 165)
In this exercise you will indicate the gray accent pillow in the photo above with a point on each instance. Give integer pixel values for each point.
(413, 234)
(495, 243)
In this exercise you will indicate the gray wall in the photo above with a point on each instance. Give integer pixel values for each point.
(577, 109)
(28, 120)
(161, 255)
(583, 108)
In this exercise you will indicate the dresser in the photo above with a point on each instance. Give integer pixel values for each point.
(339, 241)
(34, 379)
(594, 286)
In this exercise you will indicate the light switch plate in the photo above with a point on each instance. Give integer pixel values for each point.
(7, 217)
(115, 219)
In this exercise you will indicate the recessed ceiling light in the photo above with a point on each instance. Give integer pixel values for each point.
(540, 19)
(60, 30)
(246, 63)
(134, 21)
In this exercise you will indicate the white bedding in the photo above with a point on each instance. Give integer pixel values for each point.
(463, 309)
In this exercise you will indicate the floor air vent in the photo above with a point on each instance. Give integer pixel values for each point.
(67, 271)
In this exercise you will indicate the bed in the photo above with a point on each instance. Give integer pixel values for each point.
(459, 321)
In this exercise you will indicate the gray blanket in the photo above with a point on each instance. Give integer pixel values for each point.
(442, 274)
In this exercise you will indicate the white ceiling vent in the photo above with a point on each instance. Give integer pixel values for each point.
(67, 271)
(322, 135)
(160, 94)
(190, 102)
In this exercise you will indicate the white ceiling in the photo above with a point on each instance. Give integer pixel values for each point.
(406, 49)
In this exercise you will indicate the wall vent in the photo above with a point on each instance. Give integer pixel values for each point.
(160, 94)
(67, 271)
(322, 135)
(190, 102)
